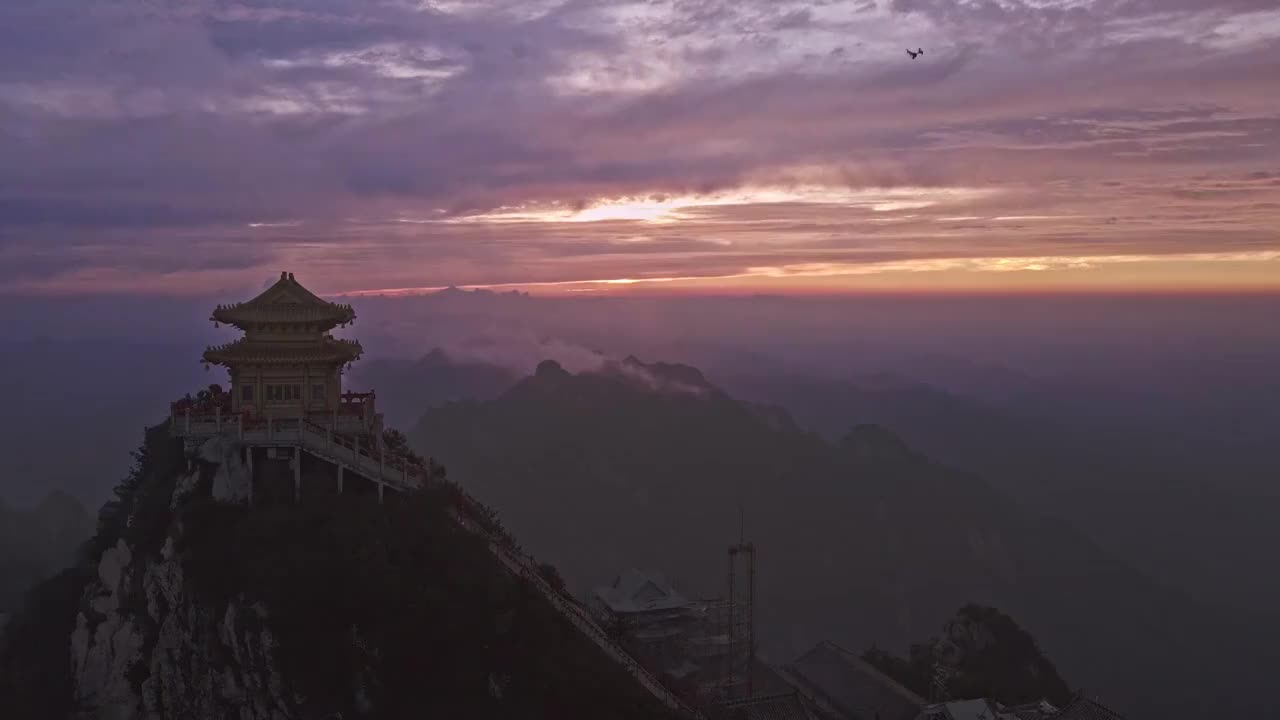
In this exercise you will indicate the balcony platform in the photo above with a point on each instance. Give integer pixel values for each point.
(334, 438)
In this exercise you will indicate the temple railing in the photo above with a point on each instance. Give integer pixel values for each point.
(350, 405)
(333, 442)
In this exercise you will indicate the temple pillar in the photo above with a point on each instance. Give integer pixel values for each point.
(340, 469)
(297, 474)
(381, 485)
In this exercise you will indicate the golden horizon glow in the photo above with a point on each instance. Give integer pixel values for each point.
(661, 208)
(636, 146)
(951, 268)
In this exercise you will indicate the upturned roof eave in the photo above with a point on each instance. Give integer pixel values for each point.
(305, 306)
(241, 352)
(243, 314)
(228, 359)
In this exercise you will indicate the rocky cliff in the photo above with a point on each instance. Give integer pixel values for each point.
(193, 605)
(146, 644)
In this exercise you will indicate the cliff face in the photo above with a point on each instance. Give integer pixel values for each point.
(147, 644)
(174, 657)
(193, 605)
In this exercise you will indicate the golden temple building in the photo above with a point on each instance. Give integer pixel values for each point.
(288, 364)
(286, 416)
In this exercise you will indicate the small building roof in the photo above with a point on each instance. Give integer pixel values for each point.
(286, 301)
(638, 592)
(784, 706)
(853, 686)
(964, 710)
(1084, 708)
(1032, 711)
(1080, 708)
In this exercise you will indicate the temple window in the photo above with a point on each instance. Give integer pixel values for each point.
(246, 393)
(284, 393)
(317, 392)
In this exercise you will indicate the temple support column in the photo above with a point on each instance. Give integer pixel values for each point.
(297, 474)
(270, 428)
(248, 451)
(381, 485)
(217, 419)
(340, 469)
(188, 420)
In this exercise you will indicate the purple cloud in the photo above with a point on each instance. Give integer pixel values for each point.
(384, 141)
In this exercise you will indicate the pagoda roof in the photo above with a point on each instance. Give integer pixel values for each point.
(286, 301)
(246, 352)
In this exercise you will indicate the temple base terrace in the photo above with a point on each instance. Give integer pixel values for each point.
(348, 439)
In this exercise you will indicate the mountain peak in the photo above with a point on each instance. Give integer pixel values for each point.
(871, 441)
(550, 369)
(668, 377)
(437, 356)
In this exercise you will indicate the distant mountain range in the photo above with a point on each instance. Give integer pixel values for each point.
(74, 408)
(1120, 480)
(37, 542)
(861, 540)
(434, 379)
(1121, 486)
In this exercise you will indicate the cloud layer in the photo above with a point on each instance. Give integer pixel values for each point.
(157, 146)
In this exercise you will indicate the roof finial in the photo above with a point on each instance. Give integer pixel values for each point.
(290, 276)
(283, 274)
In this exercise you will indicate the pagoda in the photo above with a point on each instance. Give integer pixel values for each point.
(288, 365)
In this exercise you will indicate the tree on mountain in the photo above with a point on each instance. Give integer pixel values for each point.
(552, 576)
(397, 443)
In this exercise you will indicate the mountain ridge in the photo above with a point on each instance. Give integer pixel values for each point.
(602, 474)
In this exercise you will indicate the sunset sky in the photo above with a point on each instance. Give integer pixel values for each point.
(603, 146)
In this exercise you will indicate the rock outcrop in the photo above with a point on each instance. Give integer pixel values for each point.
(194, 605)
(146, 645)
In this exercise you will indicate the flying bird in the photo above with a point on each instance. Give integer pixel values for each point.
(916, 54)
